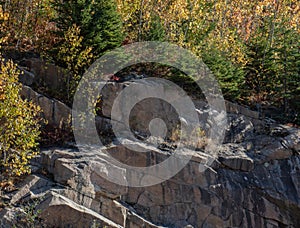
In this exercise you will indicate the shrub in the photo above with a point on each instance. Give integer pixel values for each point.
(74, 57)
(19, 124)
(272, 71)
(28, 27)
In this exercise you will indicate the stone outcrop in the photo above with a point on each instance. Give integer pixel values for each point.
(55, 112)
(26, 77)
(148, 109)
(254, 183)
(36, 70)
(254, 180)
(39, 71)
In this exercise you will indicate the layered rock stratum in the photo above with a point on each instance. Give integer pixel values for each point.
(254, 182)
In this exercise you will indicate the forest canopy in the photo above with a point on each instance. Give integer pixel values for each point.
(252, 47)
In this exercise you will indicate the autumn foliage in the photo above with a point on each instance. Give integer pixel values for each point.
(19, 120)
(251, 46)
(19, 124)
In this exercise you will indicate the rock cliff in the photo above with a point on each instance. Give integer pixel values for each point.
(254, 182)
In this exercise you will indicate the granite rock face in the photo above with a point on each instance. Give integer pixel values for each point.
(153, 107)
(26, 77)
(37, 70)
(55, 112)
(255, 183)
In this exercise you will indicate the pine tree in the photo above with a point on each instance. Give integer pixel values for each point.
(157, 31)
(288, 68)
(99, 21)
(230, 77)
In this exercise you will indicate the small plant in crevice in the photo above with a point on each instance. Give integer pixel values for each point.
(28, 217)
(96, 224)
(197, 140)
(58, 136)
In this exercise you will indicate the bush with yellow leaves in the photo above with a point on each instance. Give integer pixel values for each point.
(75, 58)
(19, 125)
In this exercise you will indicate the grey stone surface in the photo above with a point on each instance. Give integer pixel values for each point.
(240, 128)
(254, 182)
(62, 114)
(238, 109)
(42, 72)
(26, 77)
(47, 106)
(247, 186)
(55, 112)
(59, 211)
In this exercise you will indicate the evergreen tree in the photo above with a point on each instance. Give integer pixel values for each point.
(157, 31)
(99, 21)
(272, 70)
(287, 60)
(261, 76)
(230, 77)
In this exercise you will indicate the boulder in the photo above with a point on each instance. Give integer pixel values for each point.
(59, 211)
(47, 107)
(62, 114)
